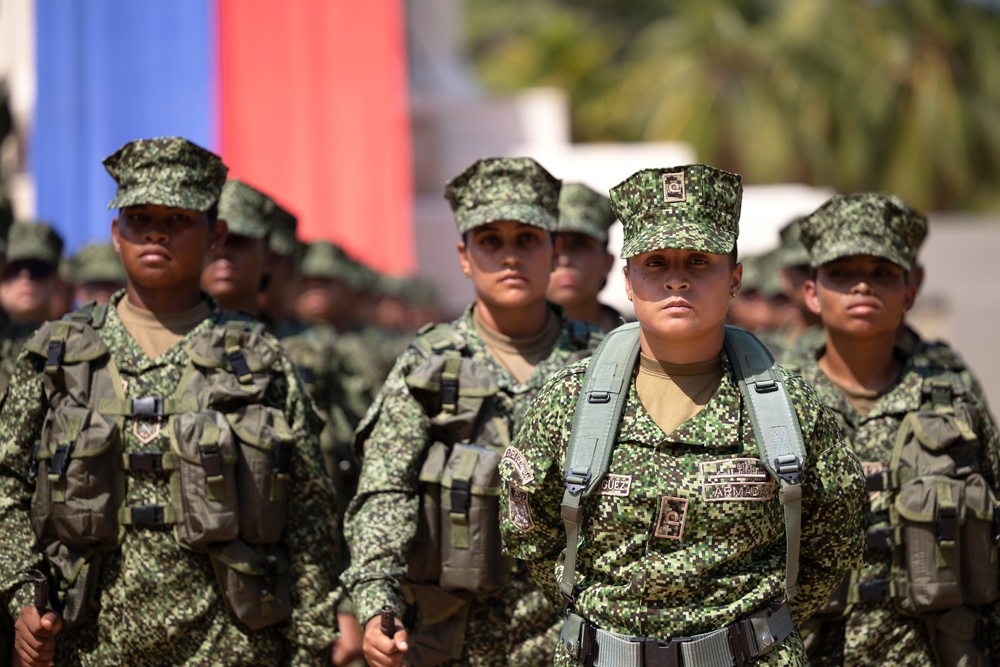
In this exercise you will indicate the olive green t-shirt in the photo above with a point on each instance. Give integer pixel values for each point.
(519, 356)
(674, 393)
(158, 332)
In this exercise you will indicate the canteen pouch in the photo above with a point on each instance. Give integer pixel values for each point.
(79, 484)
(233, 362)
(957, 637)
(437, 621)
(930, 511)
(76, 575)
(424, 558)
(979, 542)
(263, 470)
(254, 582)
(471, 552)
(203, 489)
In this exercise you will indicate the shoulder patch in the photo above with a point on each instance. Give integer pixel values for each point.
(514, 458)
(520, 512)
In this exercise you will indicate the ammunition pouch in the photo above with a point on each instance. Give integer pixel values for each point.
(254, 582)
(437, 622)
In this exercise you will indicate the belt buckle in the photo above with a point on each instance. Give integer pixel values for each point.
(739, 642)
(657, 653)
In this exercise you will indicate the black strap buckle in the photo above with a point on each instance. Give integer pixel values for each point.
(661, 653)
(588, 644)
(33, 466)
(150, 406)
(875, 590)
(880, 539)
(61, 459)
(211, 460)
(240, 366)
(599, 397)
(461, 496)
(788, 468)
(947, 523)
(449, 393)
(282, 459)
(148, 516)
(145, 461)
(54, 358)
(739, 641)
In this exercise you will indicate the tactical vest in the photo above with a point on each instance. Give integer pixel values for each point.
(944, 523)
(457, 555)
(227, 467)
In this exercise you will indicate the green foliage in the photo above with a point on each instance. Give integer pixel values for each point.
(893, 95)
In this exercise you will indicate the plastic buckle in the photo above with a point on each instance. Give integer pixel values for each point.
(282, 459)
(54, 357)
(61, 459)
(575, 484)
(658, 653)
(789, 468)
(947, 523)
(148, 516)
(461, 496)
(880, 539)
(599, 397)
(150, 406)
(211, 460)
(449, 393)
(145, 461)
(875, 590)
(739, 643)
(588, 644)
(33, 465)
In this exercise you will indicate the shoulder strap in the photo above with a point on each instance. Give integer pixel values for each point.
(89, 313)
(776, 429)
(434, 339)
(592, 438)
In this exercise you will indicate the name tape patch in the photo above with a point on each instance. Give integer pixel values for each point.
(614, 485)
(736, 480)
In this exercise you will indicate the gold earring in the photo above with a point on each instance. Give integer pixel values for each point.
(629, 297)
(466, 271)
(732, 295)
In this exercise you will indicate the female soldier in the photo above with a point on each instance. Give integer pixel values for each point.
(423, 527)
(682, 546)
(928, 592)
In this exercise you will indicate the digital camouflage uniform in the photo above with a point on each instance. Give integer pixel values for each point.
(877, 632)
(516, 626)
(687, 534)
(26, 241)
(160, 603)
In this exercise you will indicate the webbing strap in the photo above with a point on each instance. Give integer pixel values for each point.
(592, 437)
(461, 497)
(776, 428)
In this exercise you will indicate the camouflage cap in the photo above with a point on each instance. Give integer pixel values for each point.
(760, 274)
(97, 262)
(792, 252)
(34, 240)
(584, 211)
(283, 240)
(877, 224)
(494, 189)
(245, 209)
(323, 259)
(694, 207)
(169, 171)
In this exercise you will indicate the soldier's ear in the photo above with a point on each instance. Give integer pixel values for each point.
(463, 259)
(115, 241)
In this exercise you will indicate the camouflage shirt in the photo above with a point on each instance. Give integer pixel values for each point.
(382, 518)
(686, 533)
(160, 603)
(874, 632)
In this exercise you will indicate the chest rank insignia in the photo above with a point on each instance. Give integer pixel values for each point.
(146, 431)
(673, 188)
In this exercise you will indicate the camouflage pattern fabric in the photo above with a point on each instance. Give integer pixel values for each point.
(34, 240)
(12, 339)
(160, 604)
(283, 225)
(169, 171)
(791, 251)
(686, 534)
(874, 632)
(97, 262)
(494, 189)
(245, 209)
(585, 211)
(516, 627)
(694, 207)
(881, 225)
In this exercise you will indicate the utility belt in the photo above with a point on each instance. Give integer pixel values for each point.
(736, 644)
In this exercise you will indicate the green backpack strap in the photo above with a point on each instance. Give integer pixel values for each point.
(776, 428)
(442, 339)
(592, 438)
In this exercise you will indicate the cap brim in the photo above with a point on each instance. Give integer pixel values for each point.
(678, 231)
(193, 199)
(527, 214)
(857, 246)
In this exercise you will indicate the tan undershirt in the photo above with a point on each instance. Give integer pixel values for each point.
(519, 356)
(863, 400)
(158, 332)
(674, 393)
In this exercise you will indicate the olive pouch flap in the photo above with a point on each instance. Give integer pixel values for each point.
(437, 620)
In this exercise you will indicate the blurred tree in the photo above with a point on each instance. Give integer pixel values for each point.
(895, 95)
